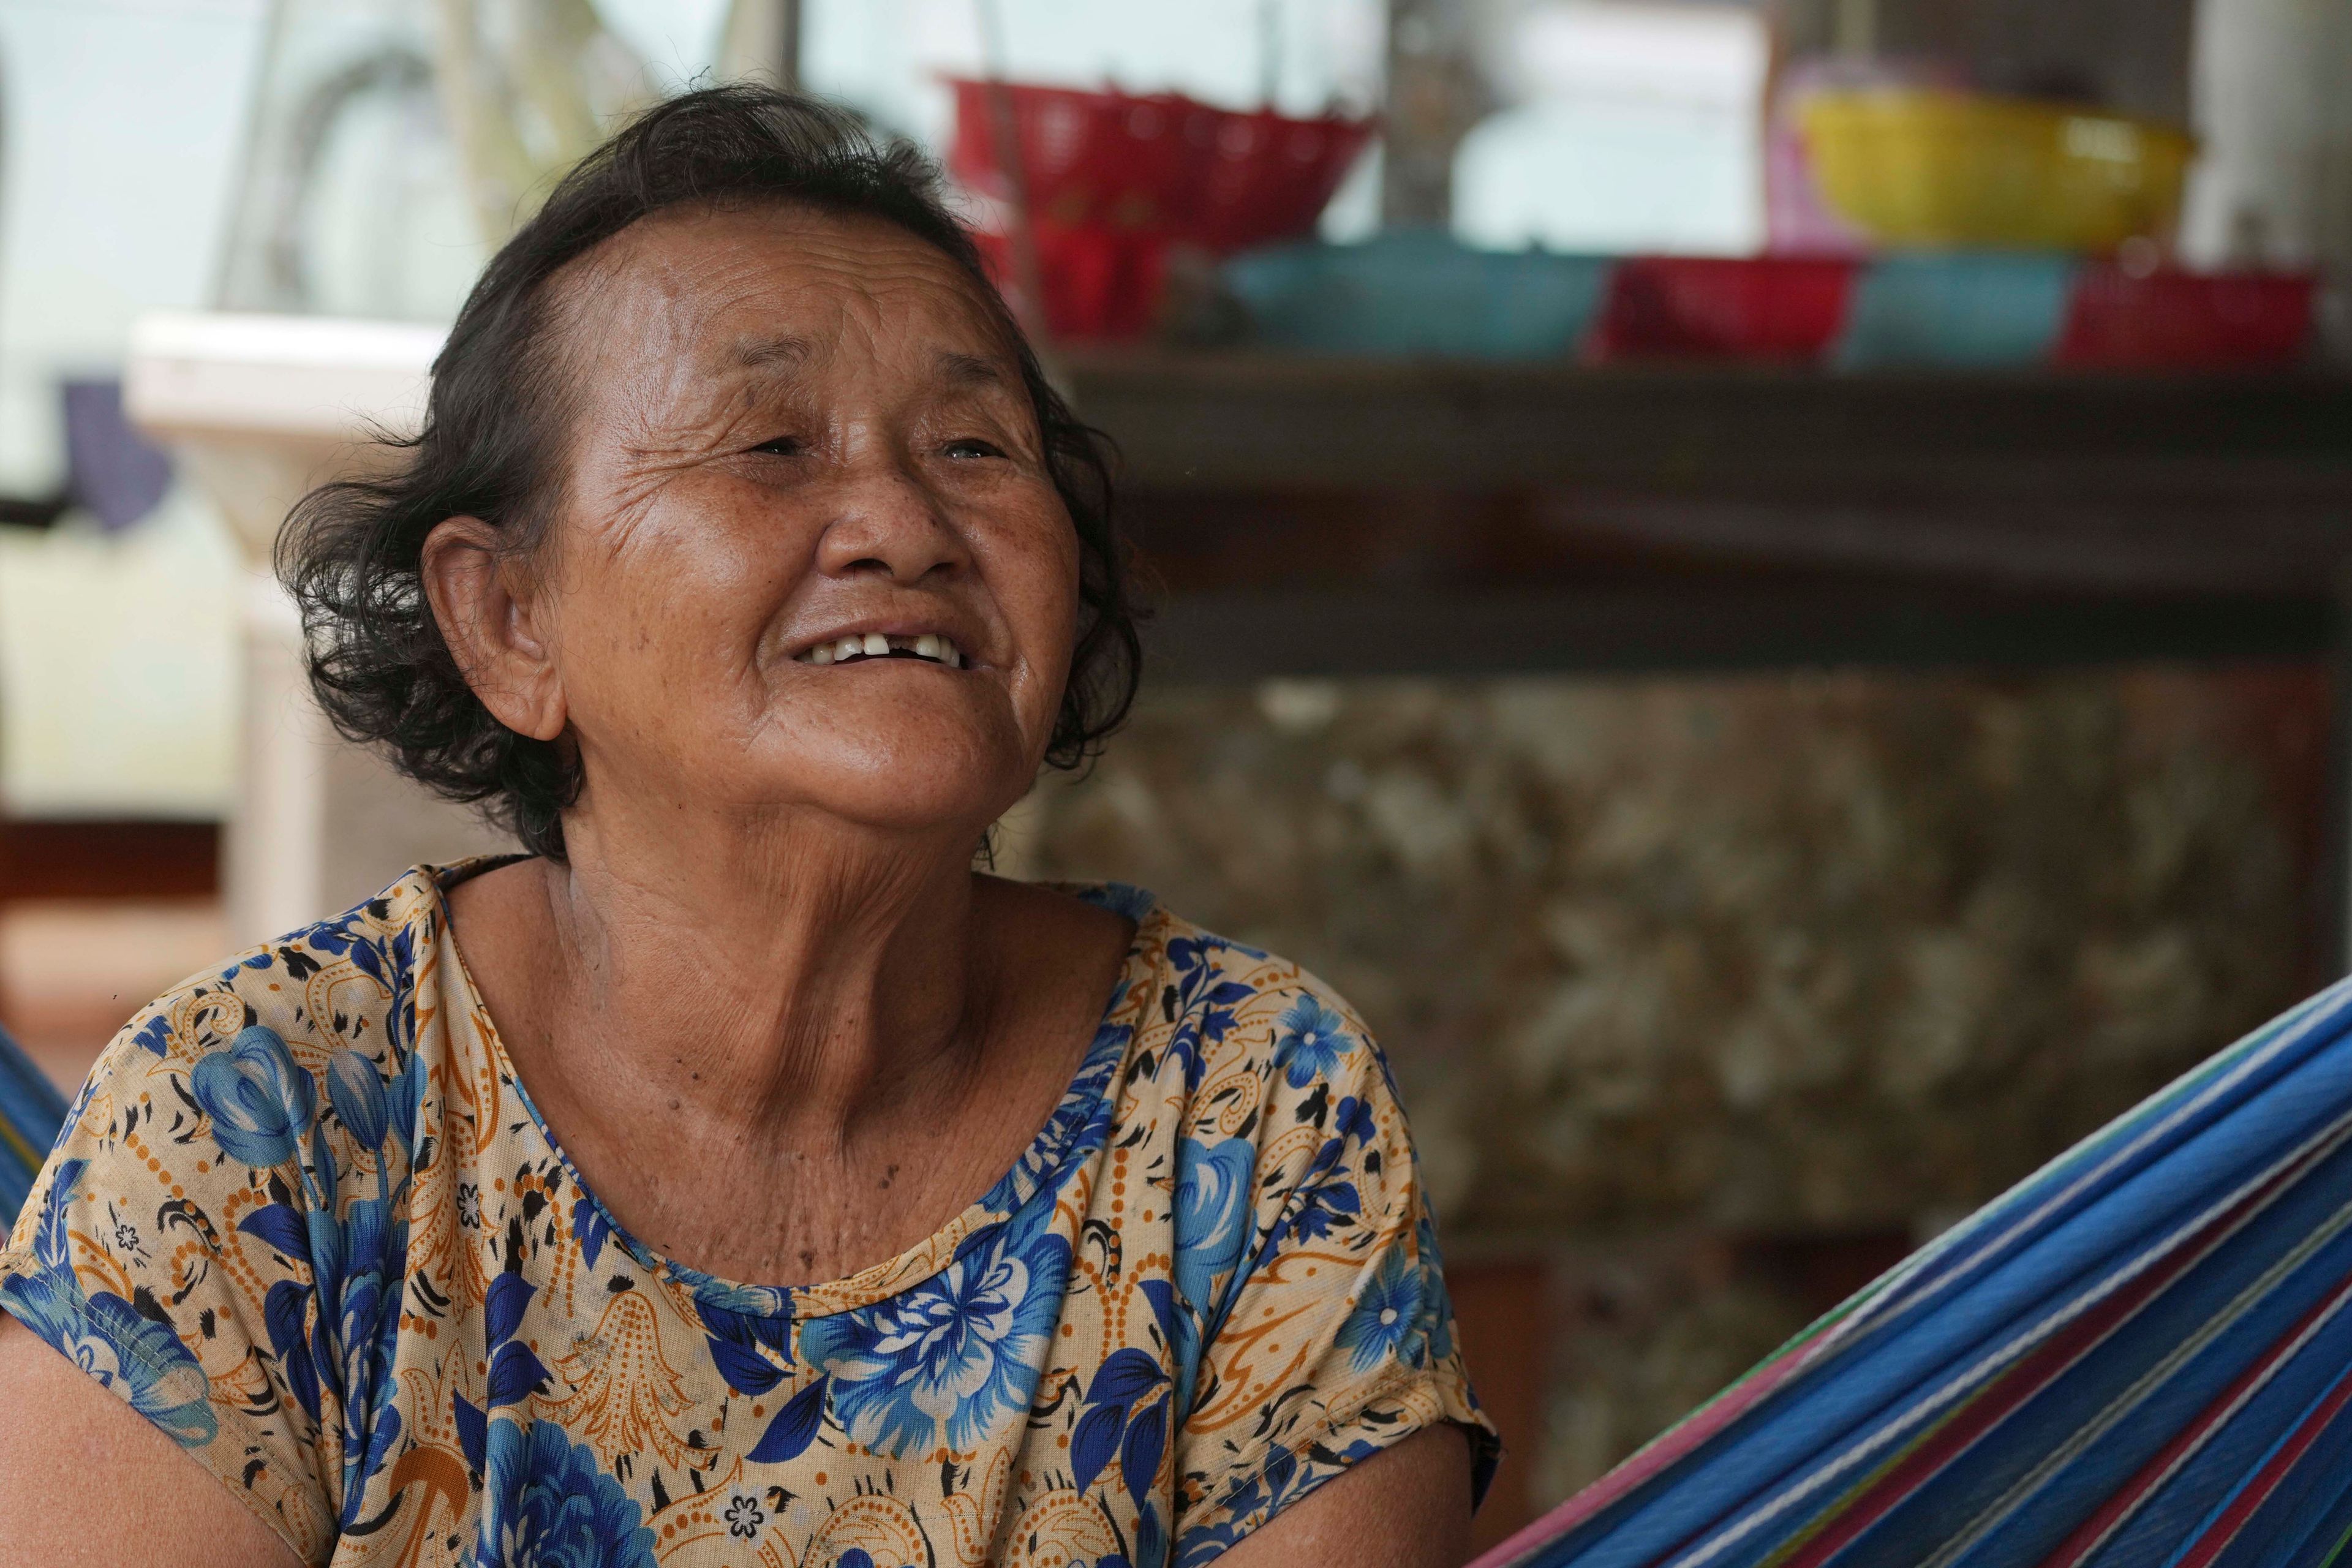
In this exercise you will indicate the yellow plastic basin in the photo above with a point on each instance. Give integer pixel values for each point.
(1920, 167)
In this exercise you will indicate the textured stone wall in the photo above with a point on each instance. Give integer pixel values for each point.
(1819, 956)
(1806, 954)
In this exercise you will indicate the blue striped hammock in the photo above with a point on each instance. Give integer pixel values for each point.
(2138, 1358)
(31, 1111)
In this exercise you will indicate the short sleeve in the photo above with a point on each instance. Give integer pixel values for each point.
(1333, 1336)
(159, 1264)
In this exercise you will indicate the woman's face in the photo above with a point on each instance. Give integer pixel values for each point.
(808, 554)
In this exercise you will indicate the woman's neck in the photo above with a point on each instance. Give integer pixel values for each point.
(858, 1023)
(786, 980)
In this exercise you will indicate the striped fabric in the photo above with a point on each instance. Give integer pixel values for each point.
(2138, 1358)
(31, 1111)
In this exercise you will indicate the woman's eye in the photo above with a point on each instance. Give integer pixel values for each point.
(781, 447)
(973, 446)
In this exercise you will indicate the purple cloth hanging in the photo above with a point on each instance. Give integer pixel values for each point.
(111, 469)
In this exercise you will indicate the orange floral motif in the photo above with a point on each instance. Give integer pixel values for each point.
(882, 1527)
(973, 1514)
(431, 1484)
(624, 1395)
(1061, 1530)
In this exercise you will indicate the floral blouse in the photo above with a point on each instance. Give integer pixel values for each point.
(305, 1218)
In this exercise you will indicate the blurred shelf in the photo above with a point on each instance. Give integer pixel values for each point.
(1207, 421)
(1327, 516)
(1704, 627)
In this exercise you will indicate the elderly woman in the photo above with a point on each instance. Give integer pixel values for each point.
(740, 1177)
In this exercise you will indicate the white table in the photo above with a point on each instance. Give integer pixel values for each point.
(260, 409)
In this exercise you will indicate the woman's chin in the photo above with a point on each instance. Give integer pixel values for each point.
(913, 789)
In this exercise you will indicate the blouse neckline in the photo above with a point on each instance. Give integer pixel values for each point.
(1080, 1116)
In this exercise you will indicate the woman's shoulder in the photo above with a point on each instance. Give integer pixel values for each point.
(1220, 1004)
(235, 1074)
(276, 1025)
(198, 1235)
(347, 980)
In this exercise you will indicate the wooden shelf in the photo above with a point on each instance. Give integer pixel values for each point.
(1323, 515)
(1211, 421)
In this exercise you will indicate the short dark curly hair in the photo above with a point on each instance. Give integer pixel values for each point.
(350, 551)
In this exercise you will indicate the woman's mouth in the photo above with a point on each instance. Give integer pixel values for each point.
(857, 646)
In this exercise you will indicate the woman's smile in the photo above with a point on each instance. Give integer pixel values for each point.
(855, 647)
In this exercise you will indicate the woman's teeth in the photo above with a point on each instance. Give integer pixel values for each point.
(874, 644)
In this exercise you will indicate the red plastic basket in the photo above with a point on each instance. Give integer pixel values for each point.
(1688, 307)
(2180, 320)
(1113, 179)
(1210, 176)
(1268, 178)
(1098, 282)
(1088, 157)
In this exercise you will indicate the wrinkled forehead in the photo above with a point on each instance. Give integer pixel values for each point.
(780, 291)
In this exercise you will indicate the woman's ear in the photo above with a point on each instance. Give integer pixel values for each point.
(485, 602)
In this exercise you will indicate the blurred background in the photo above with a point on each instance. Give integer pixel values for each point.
(1761, 584)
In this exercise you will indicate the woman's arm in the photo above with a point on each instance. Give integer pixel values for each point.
(1406, 1507)
(86, 1483)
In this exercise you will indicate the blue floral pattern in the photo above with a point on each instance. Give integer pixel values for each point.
(377, 1298)
(941, 1363)
(141, 1361)
(259, 1101)
(138, 1359)
(547, 1504)
(1390, 1319)
(1213, 1214)
(1309, 1040)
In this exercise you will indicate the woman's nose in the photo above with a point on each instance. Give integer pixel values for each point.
(887, 521)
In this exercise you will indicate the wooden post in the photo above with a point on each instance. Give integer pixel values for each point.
(1434, 96)
(1857, 28)
(763, 39)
